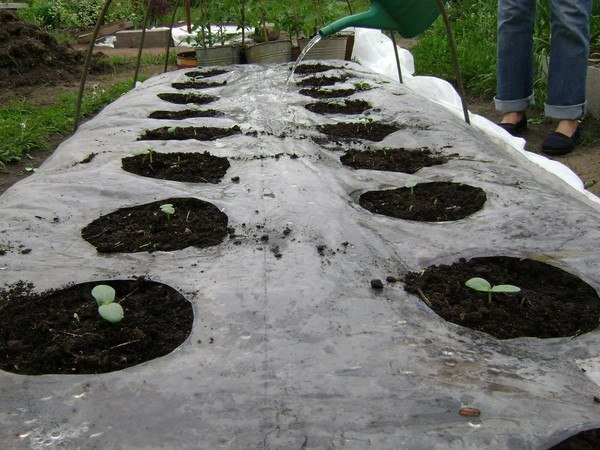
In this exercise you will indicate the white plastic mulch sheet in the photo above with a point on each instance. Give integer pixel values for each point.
(303, 352)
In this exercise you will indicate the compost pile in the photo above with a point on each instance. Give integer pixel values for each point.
(30, 56)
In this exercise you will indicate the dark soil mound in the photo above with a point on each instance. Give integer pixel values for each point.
(372, 131)
(428, 202)
(586, 440)
(319, 81)
(206, 73)
(184, 99)
(392, 159)
(61, 332)
(552, 303)
(339, 107)
(327, 93)
(184, 114)
(303, 69)
(198, 84)
(146, 228)
(30, 56)
(183, 133)
(190, 167)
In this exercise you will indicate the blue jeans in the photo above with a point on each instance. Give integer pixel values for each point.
(569, 53)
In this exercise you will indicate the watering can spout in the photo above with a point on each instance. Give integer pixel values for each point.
(408, 17)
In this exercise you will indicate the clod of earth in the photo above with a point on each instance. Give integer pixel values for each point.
(188, 167)
(145, 228)
(61, 332)
(430, 202)
(339, 107)
(182, 133)
(392, 159)
(552, 302)
(184, 114)
(181, 98)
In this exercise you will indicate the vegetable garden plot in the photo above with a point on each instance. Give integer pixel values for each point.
(290, 345)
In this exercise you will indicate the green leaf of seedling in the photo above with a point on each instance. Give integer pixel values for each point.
(113, 312)
(171, 130)
(506, 288)
(411, 182)
(479, 284)
(103, 294)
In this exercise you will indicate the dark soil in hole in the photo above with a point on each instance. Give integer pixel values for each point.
(145, 228)
(372, 131)
(305, 69)
(198, 84)
(339, 107)
(322, 81)
(586, 440)
(392, 159)
(206, 73)
(30, 56)
(191, 167)
(185, 114)
(552, 303)
(181, 98)
(327, 93)
(182, 133)
(61, 332)
(429, 202)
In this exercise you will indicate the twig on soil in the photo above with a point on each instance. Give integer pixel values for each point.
(424, 298)
(124, 344)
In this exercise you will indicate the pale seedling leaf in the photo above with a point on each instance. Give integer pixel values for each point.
(113, 312)
(103, 294)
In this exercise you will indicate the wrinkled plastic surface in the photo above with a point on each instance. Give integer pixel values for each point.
(298, 350)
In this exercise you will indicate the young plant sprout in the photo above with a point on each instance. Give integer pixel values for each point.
(411, 182)
(172, 130)
(168, 209)
(482, 285)
(107, 308)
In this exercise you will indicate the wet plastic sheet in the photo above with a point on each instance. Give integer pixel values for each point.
(298, 350)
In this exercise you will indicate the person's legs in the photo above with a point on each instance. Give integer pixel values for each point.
(515, 58)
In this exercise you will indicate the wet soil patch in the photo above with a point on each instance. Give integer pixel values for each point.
(392, 159)
(429, 202)
(305, 69)
(145, 228)
(181, 98)
(185, 114)
(372, 131)
(327, 93)
(182, 133)
(198, 84)
(206, 73)
(552, 302)
(339, 107)
(61, 332)
(189, 167)
(586, 440)
(322, 81)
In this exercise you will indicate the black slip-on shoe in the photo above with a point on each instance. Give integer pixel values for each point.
(560, 144)
(515, 128)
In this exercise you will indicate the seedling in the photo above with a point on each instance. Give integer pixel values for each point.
(168, 209)
(482, 285)
(107, 308)
(361, 85)
(172, 130)
(411, 182)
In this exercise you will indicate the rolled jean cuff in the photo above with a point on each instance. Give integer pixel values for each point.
(570, 112)
(513, 105)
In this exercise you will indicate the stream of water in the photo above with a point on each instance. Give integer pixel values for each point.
(314, 41)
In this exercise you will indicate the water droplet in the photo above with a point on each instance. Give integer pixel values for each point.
(447, 352)
(82, 395)
(475, 424)
(245, 335)
(402, 322)
(23, 435)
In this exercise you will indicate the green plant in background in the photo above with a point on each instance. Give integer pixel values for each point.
(482, 285)
(168, 209)
(107, 308)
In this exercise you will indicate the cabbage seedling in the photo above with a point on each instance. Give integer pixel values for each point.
(411, 182)
(168, 209)
(107, 308)
(482, 285)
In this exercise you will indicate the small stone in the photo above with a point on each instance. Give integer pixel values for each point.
(264, 237)
(235, 179)
(24, 251)
(469, 412)
(596, 399)
(391, 279)
(377, 284)
(187, 231)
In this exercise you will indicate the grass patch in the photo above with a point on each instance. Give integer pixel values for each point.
(25, 128)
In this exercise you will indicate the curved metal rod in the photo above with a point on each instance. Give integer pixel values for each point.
(139, 55)
(398, 66)
(461, 89)
(170, 36)
(86, 64)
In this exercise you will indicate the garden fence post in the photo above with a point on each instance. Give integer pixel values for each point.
(139, 55)
(393, 36)
(170, 36)
(86, 64)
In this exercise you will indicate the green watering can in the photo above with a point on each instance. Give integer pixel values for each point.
(407, 17)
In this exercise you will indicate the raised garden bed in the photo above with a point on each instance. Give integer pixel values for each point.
(190, 167)
(61, 332)
(339, 107)
(306, 69)
(185, 114)
(183, 133)
(206, 73)
(426, 202)
(328, 93)
(146, 228)
(181, 98)
(198, 84)
(371, 131)
(552, 302)
(392, 159)
(319, 81)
